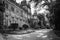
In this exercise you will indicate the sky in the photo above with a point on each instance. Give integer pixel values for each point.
(18, 1)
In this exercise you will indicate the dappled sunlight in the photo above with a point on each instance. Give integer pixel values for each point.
(45, 36)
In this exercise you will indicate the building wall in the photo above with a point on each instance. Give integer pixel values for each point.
(14, 14)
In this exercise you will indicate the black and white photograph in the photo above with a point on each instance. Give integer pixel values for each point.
(29, 20)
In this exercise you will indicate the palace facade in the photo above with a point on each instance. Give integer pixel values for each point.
(14, 13)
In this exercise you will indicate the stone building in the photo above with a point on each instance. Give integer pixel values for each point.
(14, 13)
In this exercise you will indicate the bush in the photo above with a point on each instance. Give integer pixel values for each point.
(13, 26)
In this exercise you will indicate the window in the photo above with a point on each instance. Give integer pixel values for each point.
(12, 17)
(17, 11)
(24, 20)
(12, 8)
(20, 19)
(10, 21)
(17, 18)
(6, 15)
